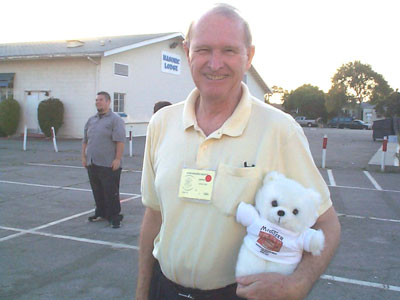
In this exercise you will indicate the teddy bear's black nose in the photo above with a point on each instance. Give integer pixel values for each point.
(281, 213)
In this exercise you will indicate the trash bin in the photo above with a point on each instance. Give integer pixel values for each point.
(382, 128)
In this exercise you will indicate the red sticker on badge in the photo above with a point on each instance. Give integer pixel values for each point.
(208, 178)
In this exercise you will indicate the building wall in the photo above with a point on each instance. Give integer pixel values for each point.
(75, 81)
(71, 80)
(146, 83)
(254, 87)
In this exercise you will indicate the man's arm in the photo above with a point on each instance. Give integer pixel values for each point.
(118, 155)
(273, 286)
(150, 228)
(84, 145)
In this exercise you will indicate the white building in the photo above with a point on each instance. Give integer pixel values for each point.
(136, 71)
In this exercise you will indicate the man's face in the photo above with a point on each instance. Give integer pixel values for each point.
(218, 56)
(102, 104)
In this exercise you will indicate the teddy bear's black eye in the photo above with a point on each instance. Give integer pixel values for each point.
(274, 203)
(295, 211)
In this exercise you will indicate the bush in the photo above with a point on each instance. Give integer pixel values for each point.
(9, 116)
(50, 114)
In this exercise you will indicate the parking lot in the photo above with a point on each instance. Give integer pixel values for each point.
(48, 250)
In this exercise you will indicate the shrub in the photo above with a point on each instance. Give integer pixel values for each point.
(9, 116)
(50, 114)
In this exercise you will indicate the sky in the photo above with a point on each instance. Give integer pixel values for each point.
(297, 41)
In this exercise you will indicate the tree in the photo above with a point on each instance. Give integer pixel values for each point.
(336, 99)
(9, 116)
(50, 114)
(306, 100)
(360, 83)
(279, 92)
(390, 106)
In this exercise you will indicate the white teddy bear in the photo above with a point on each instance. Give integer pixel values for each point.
(278, 228)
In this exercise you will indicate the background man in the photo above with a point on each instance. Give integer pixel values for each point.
(160, 104)
(223, 134)
(102, 150)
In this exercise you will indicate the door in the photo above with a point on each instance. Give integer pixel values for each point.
(32, 102)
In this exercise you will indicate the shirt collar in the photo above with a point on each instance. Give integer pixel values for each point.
(105, 115)
(233, 126)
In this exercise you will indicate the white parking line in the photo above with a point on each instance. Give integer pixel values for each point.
(33, 230)
(74, 167)
(368, 218)
(361, 188)
(363, 283)
(72, 238)
(57, 187)
(373, 181)
(331, 178)
(126, 246)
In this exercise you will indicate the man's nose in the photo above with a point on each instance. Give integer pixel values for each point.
(216, 61)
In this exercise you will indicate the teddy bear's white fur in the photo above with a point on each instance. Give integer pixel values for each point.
(291, 209)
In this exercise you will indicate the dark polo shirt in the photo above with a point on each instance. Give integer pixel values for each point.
(101, 134)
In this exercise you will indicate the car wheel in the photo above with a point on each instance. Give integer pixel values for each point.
(309, 124)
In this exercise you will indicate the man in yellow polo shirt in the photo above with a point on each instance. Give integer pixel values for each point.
(202, 158)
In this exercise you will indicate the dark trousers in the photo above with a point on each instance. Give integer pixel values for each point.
(162, 288)
(105, 187)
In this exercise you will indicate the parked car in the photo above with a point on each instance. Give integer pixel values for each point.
(340, 122)
(357, 124)
(303, 121)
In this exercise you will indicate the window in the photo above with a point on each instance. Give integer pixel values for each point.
(6, 85)
(120, 69)
(119, 102)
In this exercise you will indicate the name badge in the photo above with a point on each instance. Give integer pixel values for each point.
(196, 184)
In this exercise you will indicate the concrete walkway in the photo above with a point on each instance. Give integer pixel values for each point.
(391, 162)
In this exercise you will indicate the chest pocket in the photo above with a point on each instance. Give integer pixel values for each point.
(233, 185)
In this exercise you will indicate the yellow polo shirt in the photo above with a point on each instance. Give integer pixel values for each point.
(199, 242)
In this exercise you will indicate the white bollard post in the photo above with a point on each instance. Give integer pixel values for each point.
(25, 135)
(324, 144)
(384, 149)
(53, 133)
(130, 143)
(396, 156)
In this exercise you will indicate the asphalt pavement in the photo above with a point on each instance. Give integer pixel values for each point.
(48, 250)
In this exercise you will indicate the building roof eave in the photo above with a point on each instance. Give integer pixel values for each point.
(259, 80)
(144, 43)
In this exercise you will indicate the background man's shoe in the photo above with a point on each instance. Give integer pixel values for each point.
(95, 218)
(116, 223)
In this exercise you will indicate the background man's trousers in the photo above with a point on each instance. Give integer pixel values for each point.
(105, 187)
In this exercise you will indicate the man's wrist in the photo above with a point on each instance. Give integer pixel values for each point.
(299, 285)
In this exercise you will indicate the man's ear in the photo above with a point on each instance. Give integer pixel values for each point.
(186, 48)
(250, 54)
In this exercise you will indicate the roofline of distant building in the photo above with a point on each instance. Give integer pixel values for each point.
(143, 43)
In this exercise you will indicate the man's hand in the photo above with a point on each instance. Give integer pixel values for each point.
(268, 286)
(84, 161)
(116, 164)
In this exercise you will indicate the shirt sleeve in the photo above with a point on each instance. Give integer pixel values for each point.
(149, 195)
(297, 163)
(118, 134)
(246, 214)
(85, 136)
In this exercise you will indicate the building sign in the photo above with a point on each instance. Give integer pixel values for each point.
(170, 63)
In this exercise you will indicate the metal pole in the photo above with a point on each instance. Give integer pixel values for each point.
(324, 144)
(53, 133)
(384, 149)
(25, 134)
(130, 143)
